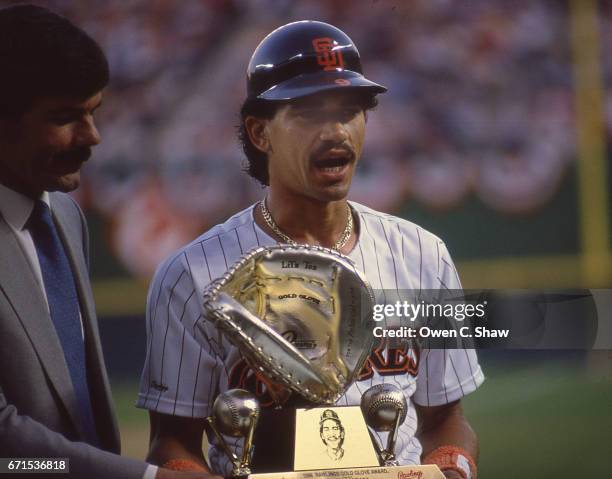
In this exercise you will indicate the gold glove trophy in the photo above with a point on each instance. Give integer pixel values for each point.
(302, 317)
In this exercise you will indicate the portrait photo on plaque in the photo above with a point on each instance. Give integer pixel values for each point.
(331, 438)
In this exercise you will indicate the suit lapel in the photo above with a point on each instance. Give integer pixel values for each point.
(27, 301)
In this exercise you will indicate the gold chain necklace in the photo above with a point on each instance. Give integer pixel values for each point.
(346, 234)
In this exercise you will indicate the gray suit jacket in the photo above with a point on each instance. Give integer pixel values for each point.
(38, 410)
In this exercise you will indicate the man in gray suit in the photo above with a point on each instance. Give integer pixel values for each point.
(55, 400)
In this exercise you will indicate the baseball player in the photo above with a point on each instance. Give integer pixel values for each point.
(332, 434)
(303, 127)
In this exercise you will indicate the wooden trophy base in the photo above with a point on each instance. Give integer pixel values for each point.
(395, 472)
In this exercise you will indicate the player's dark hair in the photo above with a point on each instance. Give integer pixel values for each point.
(44, 54)
(257, 161)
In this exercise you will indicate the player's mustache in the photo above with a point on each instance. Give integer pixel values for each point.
(82, 154)
(326, 147)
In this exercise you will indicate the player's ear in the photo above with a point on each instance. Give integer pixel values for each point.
(256, 129)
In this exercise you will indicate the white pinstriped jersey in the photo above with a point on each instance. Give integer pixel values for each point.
(186, 367)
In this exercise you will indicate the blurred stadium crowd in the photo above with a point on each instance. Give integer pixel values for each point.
(480, 103)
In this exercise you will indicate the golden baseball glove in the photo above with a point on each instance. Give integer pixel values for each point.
(301, 314)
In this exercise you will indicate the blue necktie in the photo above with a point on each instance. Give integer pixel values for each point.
(64, 307)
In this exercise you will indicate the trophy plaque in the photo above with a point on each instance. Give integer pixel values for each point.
(332, 438)
(302, 317)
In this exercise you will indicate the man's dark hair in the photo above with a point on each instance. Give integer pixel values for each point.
(257, 161)
(44, 54)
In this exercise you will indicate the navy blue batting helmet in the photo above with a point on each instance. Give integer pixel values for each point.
(303, 58)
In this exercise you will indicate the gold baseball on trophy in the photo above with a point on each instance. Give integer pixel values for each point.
(384, 409)
(381, 404)
(235, 412)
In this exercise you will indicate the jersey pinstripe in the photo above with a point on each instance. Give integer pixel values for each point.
(186, 366)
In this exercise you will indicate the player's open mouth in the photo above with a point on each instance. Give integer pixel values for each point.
(333, 163)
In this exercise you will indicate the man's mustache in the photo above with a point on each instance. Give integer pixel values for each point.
(81, 154)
